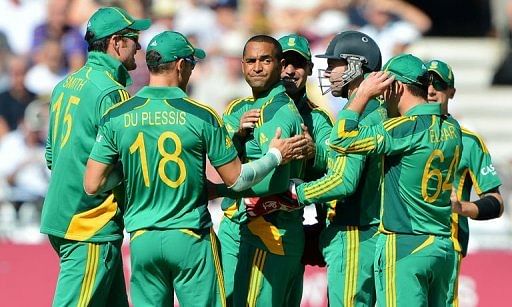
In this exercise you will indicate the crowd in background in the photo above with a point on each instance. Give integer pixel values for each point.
(42, 41)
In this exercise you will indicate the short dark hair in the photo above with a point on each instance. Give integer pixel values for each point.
(417, 91)
(261, 38)
(153, 62)
(101, 44)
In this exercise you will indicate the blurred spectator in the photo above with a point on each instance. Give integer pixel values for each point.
(227, 69)
(162, 19)
(194, 18)
(14, 101)
(5, 52)
(56, 28)
(254, 15)
(394, 25)
(503, 74)
(26, 176)
(19, 18)
(290, 16)
(42, 77)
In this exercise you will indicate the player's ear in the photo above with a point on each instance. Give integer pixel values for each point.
(309, 70)
(452, 93)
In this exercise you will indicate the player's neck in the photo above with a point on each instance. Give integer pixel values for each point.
(163, 80)
(408, 101)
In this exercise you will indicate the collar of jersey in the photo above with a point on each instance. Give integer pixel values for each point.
(161, 92)
(277, 89)
(425, 109)
(113, 66)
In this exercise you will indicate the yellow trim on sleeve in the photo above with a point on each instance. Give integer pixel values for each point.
(475, 182)
(478, 137)
(334, 180)
(342, 133)
(397, 123)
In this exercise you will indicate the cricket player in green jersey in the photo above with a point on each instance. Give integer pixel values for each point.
(415, 258)
(240, 119)
(271, 243)
(475, 169)
(87, 231)
(161, 137)
(350, 186)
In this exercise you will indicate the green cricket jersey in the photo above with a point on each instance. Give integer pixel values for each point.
(162, 137)
(77, 105)
(231, 118)
(356, 204)
(475, 170)
(278, 232)
(319, 125)
(422, 150)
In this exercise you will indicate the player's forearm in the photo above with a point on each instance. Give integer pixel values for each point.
(253, 172)
(340, 181)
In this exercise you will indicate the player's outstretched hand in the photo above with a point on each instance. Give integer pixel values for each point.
(290, 148)
(248, 122)
(287, 201)
(310, 149)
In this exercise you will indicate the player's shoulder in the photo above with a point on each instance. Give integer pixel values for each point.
(280, 104)
(319, 112)
(237, 104)
(373, 113)
(124, 106)
(198, 109)
(102, 80)
(471, 139)
(404, 126)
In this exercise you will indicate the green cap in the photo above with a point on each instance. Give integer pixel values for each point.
(109, 20)
(297, 43)
(172, 46)
(408, 69)
(443, 70)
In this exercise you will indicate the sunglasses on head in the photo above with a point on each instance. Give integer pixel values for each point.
(133, 36)
(438, 83)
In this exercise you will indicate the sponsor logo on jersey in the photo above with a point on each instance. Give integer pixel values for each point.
(486, 170)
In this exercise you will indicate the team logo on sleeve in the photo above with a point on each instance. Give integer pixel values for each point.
(229, 143)
(263, 138)
(99, 138)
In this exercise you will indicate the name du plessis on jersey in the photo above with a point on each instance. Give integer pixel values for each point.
(156, 118)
